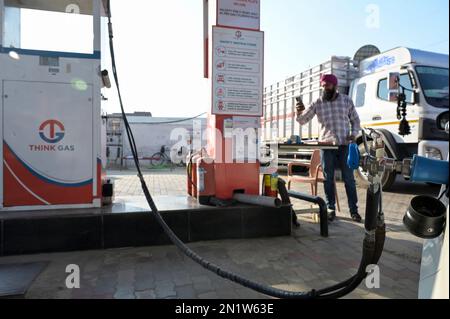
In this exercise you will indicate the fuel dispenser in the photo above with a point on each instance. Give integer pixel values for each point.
(50, 123)
(426, 216)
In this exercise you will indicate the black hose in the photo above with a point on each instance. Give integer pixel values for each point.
(366, 260)
(372, 208)
(270, 291)
(380, 240)
(376, 238)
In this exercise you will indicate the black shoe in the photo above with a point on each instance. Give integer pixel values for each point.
(331, 216)
(356, 218)
(295, 221)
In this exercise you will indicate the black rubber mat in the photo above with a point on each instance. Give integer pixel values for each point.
(16, 279)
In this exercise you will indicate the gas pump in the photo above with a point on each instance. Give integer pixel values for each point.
(50, 123)
(427, 217)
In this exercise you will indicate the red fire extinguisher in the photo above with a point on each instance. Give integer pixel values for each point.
(206, 180)
(189, 165)
(192, 173)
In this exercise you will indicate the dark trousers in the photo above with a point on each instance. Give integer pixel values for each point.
(331, 159)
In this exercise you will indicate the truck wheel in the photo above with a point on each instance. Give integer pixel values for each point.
(362, 180)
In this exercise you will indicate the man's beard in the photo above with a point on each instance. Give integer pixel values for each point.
(328, 95)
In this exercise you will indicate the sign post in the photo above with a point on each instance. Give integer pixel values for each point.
(242, 14)
(235, 68)
(237, 77)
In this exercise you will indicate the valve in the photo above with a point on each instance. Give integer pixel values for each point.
(374, 162)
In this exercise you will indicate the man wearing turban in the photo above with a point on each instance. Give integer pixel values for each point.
(340, 125)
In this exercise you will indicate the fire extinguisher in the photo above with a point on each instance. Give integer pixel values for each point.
(206, 180)
(270, 185)
(192, 173)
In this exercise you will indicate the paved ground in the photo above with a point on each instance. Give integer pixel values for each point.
(301, 262)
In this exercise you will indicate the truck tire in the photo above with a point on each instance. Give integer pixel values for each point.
(387, 180)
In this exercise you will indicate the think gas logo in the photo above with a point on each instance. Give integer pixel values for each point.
(52, 132)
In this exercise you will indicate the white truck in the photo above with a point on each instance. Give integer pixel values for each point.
(423, 74)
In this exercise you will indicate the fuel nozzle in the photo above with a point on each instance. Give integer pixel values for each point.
(425, 217)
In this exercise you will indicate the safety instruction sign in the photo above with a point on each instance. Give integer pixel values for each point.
(244, 14)
(238, 58)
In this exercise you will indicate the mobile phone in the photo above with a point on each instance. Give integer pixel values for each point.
(300, 104)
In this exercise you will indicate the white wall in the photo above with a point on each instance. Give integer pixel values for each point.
(151, 137)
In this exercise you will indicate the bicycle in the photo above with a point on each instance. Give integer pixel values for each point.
(162, 158)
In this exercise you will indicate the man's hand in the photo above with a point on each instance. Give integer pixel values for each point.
(351, 139)
(300, 108)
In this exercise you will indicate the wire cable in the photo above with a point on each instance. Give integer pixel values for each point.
(175, 121)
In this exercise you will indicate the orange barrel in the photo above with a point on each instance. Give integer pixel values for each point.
(206, 180)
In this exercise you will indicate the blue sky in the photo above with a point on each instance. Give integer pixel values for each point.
(159, 48)
(302, 33)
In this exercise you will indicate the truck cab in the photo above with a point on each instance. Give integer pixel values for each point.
(424, 75)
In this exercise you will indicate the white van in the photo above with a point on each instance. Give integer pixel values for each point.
(425, 76)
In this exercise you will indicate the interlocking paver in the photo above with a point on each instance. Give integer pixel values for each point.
(165, 291)
(202, 284)
(146, 294)
(145, 284)
(181, 278)
(297, 263)
(227, 294)
(124, 294)
(186, 292)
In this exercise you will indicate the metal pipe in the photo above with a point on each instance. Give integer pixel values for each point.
(265, 201)
(286, 200)
(323, 209)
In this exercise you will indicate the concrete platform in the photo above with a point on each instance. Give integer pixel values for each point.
(129, 223)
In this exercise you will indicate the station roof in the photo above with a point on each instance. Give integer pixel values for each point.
(85, 6)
